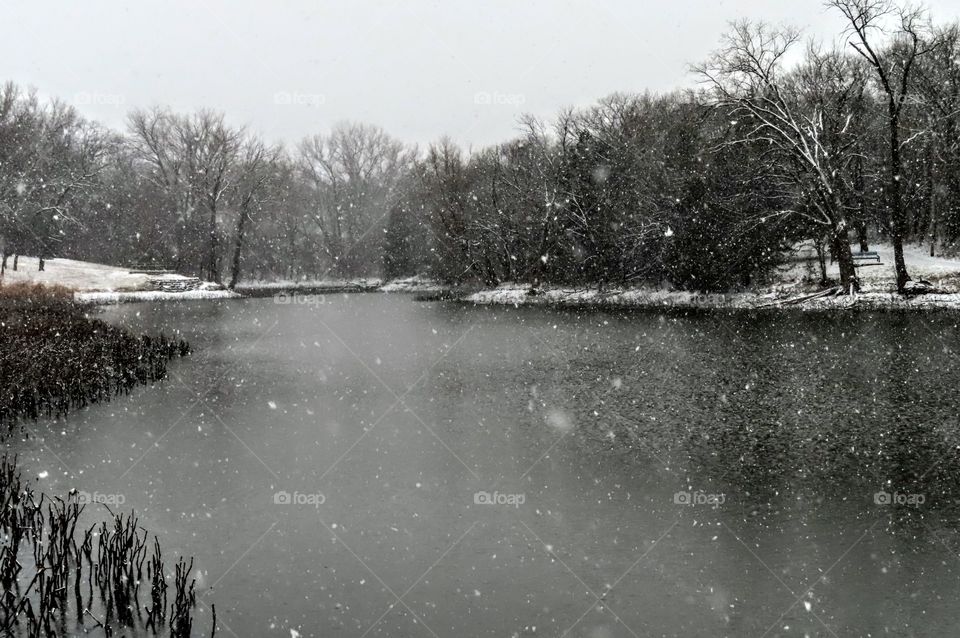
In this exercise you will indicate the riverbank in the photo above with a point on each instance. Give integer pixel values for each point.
(870, 298)
(114, 297)
(794, 285)
(306, 287)
(283, 291)
(103, 284)
(414, 284)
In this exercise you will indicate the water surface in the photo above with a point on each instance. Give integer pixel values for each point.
(387, 420)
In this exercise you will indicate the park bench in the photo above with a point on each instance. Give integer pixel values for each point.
(866, 258)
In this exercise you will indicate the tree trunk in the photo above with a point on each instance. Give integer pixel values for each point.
(544, 250)
(896, 202)
(932, 202)
(841, 244)
(861, 223)
(933, 232)
(237, 249)
(822, 259)
(213, 272)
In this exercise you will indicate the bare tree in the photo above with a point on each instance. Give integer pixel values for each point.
(354, 174)
(803, 120)
(257, 176)
(213, 150)
(938, 85)
(51, 159)
(893, 64)
(444, 182)
(193, 159)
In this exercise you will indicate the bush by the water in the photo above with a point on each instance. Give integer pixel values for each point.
(54, 357)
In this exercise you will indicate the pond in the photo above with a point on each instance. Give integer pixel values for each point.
(367, 465)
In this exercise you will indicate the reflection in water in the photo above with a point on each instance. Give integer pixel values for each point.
(399, 413)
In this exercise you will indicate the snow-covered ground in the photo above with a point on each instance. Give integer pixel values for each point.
(412, 284)
(787, 289)
(76, 275)
(99, 283)
(519, 295)
(408, 284)
(310, 284)
(99, 297)
(940, 271)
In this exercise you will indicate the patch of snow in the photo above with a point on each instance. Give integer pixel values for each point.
(151, 295)
(84, 277)
(289, 284)
(73, 274)
(872, 297)
(920, 265)
(877, 283)
(517, 294)
(412, 284)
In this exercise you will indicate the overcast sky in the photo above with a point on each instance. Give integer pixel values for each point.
(418, 69)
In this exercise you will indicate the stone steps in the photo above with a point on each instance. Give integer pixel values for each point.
(179, 284)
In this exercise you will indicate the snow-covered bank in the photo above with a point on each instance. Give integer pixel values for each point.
(263, 289)
(102, 297)
(943, 272)
(870, 299)
(72, 274)
(103, 284)
(320, 286)
(793, 286)
(413, 284)
(257, 288)
(523, 295)
(86, 276)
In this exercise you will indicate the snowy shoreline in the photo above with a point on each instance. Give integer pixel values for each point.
(790, 288)
(254, 290)
(579, 298)
(652, 299)
(130, 296)
(324, 286)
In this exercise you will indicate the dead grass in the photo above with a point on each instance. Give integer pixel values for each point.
(34, 291)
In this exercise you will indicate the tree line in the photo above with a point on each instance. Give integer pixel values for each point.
(784, 141)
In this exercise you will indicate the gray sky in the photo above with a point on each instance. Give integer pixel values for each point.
(418, 69)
